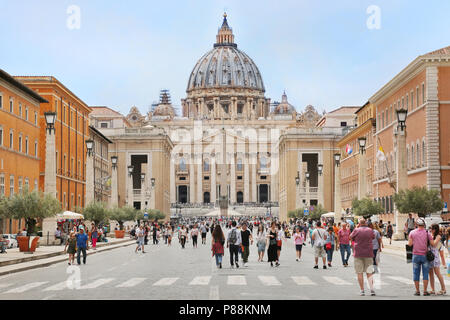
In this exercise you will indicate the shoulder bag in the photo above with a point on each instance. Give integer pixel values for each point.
(430, 254)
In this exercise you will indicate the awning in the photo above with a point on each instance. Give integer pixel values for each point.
(69, 215)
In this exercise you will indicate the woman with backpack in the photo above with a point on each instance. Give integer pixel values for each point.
(217, 242)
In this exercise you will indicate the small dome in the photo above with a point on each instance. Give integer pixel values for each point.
(284, 107)
(164, 108)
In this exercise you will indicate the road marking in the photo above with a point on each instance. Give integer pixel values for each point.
(401, 279)
(26, 287)
(200, 281)
(237, 280)
(57, 287)
(131, 283)
(337, 281)
(269, 281)
(165, 282)
(303, 281)
(214, 293)
(97, 283)
(377, 282)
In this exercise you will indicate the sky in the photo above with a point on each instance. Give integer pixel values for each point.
(124, 52)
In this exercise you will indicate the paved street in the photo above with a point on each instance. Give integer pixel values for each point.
(172, 273)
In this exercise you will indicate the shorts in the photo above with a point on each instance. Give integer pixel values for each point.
(319, 251)
(298, 247)
(279, 248)
(140, 241)
(364, 265)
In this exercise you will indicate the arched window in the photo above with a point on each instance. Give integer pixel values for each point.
(417, 155)
(423, 153)
(239, 165)
(412, 156)
(182, 164)
(206, 165)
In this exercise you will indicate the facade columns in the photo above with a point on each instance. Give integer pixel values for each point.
(402, 181)
(320, 188)
(233, 178)
(172, 178)
(191, 179)
(362, 190)
(129, 183)
(337, 194)
(213, 179)
(246, 179)
(90, 178)
(199, 178)
(114, 202)
(254, 168)
(49, 224)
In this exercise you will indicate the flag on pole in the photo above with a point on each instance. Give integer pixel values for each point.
(380, 154)
(349, 149)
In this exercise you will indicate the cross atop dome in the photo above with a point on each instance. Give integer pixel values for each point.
(225, 35)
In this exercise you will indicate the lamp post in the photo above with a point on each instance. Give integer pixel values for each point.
(152, 193)
(90, 187)
(308, 201)
(337, 188)
(114, 192)
(402, 169)
(49, 224)
(362, 190)
(297, 192)
(130, 169)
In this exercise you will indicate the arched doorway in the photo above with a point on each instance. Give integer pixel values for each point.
(206, 197)
(182, 194)
(263, 193)
(239, 197)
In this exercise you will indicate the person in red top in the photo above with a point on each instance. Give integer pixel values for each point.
(363, 237)
(343, 236)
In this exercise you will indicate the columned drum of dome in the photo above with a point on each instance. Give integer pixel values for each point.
(225, 83)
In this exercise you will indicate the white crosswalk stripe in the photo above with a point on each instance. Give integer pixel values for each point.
(165, 282)
(401, 279)
(57, 287)
(303, 281)
(26, 287)
(269, 281)
(337, 281)
(200, 281)
(131, 283)
(237, 280)
(96, 283)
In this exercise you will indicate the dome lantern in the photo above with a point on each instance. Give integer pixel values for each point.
(225, 35)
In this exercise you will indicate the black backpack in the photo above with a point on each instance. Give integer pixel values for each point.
(233, 236)
(133, 232)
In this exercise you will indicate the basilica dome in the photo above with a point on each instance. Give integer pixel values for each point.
(225, 66)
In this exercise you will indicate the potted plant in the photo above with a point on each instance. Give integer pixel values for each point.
(31, 206)
(121, 215)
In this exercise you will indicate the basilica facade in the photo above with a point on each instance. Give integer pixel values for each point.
(226, 140)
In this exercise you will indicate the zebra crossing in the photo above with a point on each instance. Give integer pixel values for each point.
(231, 280)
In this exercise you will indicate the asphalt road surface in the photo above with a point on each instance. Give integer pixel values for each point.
(173, 273)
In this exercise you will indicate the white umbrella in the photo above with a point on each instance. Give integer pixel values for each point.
(328, 215)
(69, 215)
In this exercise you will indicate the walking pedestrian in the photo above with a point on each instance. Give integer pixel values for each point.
(169, 235)
(233, 243)
(94, 236)
(261, 240)
(329, 245)
(436, 263)
(194, 236)
(389, 231)
(182, 235)
(203, 231)
(246, 237)
(344, 244)
(82, 245)
(72, 244)
(420, 239)
(217, 243)
(363, 236)
(318, 237)
(377, 244)
(272, 250)
(410, 224)
(280, 237)
(298, 240)
(140, 234)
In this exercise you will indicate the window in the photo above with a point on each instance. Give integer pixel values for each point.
(36, 185)
(412, 157)
(417, 155)
(206, 165)
(239, 164)
(412, 100)
(11, 105)
(387, 117)
(1, 101)
(20, 185)
(11, 185)
(1, 135)
(11, 139)
(343, 123)
(263, 177)
(182, 178)
(36, 149)
(182, 165)
(56, 106)
(26, 145)
(239, 177)
(64, 114)
(263, 162)
(20, 109)
(382, 119)
(423, 92)
(27, 183)
(240, 108)
(26, 113)
(206, 177)
(417, 97)
(104, 125)
(2, 184)
(407, 157)
(64, 164)
(35, 118)
(20, 142)
(407, 102)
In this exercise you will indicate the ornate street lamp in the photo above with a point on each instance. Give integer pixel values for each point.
(401, 118)
(153, 182)
(142, 176)
(337, 159)
(130, 170)
(320, 169)
(50, 118)
(114, 161)
(362, 144)
(297, 179)
(89, 146)
(307, 175)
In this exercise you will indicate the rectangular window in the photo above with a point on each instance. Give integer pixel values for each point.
(412, 100)
(206, 177)
(407, 102)
(1, 136)
(382, 119)
(11, 185)
(56, 107)
(20, 110)
(2, 184)
(26, 113)
(20, 185)
(1, 101)
(423, 93)
(35, 118)
(27, 183)
(20, 143)
(239, 177)
(64, 115)
(11, 105)
(11, 139)
(104, 125)
(26, 145)
(36, 149)
(343, 124)
(417, 97)
(36, 185)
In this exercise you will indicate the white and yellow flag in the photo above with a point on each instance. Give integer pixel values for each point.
(380, 154)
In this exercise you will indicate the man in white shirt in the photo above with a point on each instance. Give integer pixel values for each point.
(234, 240)
(319, 236)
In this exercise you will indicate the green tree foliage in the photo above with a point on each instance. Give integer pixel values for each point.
(121, 215)
(31, 206)
(366, 207)
(418, 200)
(314, 214)
(97, 212)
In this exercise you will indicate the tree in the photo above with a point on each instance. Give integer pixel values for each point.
(366, 207)
(316, 212)
(418, 200)
(123, 214)
(31, 206)
(158, 215)
(97, 212)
